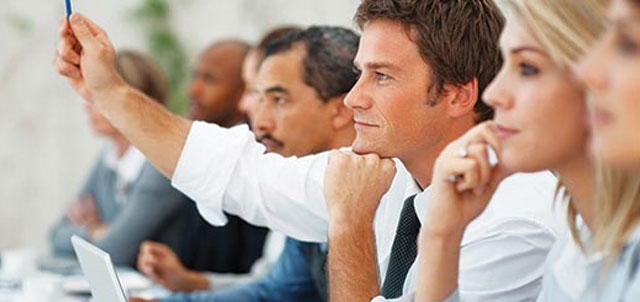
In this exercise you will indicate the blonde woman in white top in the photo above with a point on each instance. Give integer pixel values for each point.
(612, 71)
(539, 124)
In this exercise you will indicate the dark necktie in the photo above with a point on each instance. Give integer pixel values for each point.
(403, 250)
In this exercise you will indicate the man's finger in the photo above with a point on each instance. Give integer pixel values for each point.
(63, 29)
(98, 32)
(66, 52)
(67, 69)
(82, 32)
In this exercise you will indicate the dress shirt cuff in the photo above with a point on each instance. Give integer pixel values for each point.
(209, 156)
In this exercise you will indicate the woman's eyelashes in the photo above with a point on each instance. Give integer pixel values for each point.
(528, 70)
(625, 44)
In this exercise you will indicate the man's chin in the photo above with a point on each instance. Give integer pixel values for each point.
(360, 147)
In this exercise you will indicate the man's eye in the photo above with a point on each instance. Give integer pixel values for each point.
(381, 76)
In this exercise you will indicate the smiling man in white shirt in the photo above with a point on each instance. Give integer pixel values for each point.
(423, 65)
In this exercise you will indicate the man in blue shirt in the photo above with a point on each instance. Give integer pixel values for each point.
(289, 279)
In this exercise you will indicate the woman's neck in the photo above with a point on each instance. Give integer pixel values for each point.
(121, 144)
(578, 176)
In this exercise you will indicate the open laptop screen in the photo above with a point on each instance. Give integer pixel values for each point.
(99, 271)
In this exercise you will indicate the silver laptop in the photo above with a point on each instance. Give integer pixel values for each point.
(98, 269)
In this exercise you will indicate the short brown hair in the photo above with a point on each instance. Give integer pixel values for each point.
(141, 72)
(458, 39)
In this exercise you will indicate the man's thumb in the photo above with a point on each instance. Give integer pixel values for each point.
(81, 30)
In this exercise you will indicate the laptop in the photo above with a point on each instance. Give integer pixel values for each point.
(98, 269)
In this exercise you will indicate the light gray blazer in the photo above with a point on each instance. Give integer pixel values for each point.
(154, 211)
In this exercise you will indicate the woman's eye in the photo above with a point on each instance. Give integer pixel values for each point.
(280, 100)
(626, 45)
(528, 70)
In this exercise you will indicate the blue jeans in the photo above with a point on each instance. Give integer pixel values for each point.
(288, 280)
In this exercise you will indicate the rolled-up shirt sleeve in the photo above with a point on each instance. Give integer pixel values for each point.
(226, 170)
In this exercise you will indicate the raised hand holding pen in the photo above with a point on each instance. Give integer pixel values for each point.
(86, 57)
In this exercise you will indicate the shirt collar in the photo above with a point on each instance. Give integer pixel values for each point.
(412, 188)
(128, 166)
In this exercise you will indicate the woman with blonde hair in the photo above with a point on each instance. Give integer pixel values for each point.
(539, 125)
(612, 71)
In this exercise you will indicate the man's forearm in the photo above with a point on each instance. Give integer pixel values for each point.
(353, 270)
(439, 258)
(159, 134)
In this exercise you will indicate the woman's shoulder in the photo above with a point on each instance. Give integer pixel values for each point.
(623, 277)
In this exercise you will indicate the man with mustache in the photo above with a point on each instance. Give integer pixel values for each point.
(294, 116)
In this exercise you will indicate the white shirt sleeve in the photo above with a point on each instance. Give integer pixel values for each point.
(226, 170)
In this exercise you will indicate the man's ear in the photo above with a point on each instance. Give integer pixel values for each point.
(460, 98)
(341, 116)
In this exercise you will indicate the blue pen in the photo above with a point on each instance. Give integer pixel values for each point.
(68, 5)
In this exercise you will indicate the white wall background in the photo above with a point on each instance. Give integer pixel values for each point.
(45, 145)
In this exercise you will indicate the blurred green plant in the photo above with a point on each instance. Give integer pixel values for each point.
(164, 46)
(19, 23)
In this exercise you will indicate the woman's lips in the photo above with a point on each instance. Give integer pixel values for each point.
(505, 132)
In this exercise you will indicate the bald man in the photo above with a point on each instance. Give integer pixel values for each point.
(217, 86)
(227, 252)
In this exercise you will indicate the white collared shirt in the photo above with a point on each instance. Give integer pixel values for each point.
(227, 170)
(126, 167)
(570, 273)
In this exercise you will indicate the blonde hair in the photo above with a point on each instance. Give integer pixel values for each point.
(618, 209)
(566, 30)
(141, 72)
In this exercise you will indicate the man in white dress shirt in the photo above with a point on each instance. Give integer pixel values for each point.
(423, 65)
